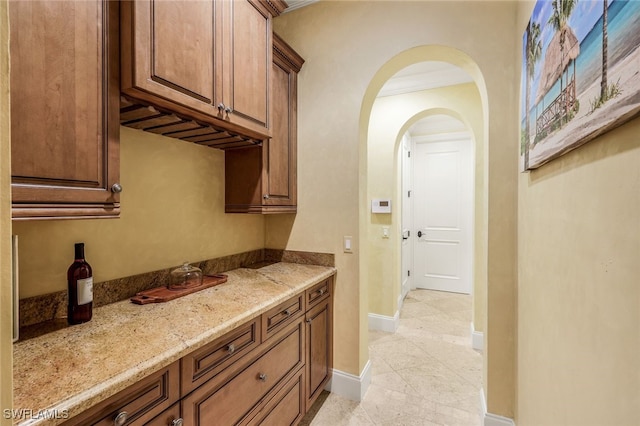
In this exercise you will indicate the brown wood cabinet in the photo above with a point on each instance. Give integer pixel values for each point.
(64, 109)
(204, 66)
(263, 178)
(244, 394)
(267, 371)
(319, 345)
(139, 403)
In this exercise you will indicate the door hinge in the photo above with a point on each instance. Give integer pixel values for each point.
(408, 272)
(409, 154)
(409, 194)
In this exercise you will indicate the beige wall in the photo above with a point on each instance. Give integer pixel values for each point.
(345, 44)
(390, 118)
(6, 352)
(172, 211)
(578, 291)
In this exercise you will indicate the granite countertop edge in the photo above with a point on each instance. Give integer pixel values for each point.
(276, 283)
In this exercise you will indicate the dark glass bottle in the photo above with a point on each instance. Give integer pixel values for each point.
(80, 281)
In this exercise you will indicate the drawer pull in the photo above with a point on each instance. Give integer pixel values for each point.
(120, 419)
(231, 348)
(262, 377)
(322, 290)
(287, 312)
(177, 422)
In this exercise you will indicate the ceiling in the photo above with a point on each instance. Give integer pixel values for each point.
(297, 4)
(417, 77)
(424, 76)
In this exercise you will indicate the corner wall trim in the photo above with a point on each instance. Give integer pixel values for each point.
(350, 386)
(384, 323)
(489, 419)
(477, 339)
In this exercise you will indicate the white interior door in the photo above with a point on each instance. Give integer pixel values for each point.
(443, 211)
(407, 210)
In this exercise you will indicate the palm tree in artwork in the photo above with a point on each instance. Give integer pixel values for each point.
(605, 59)
(562, 9)
(533, 51)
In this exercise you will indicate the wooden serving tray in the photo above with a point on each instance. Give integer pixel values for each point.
(163, 294)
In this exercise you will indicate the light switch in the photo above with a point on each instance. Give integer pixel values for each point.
(385, 232)
(347, 244)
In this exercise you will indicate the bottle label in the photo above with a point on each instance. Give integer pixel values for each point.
(85, 291)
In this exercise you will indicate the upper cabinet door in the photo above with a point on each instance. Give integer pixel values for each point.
(168, 53)
(247, 85)
(208, 61)
(182, 38)
(64, 109)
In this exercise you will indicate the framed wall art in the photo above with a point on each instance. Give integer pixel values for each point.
(580, 74)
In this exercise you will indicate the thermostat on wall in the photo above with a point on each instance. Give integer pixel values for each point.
(381, 205)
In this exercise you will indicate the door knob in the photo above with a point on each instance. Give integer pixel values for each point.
(419, 234)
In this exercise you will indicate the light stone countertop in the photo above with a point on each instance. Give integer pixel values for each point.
(73, 369)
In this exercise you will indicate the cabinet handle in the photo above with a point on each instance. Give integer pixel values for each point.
(226, 109)
(262, 377)
(116, 188)
(177, 422)
(120, 419)
(231, 348)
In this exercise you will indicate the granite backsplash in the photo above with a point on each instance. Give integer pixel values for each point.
(52, 307)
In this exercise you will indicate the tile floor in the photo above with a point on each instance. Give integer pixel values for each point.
(426, 373)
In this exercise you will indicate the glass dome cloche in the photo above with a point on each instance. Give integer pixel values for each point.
(186, 276)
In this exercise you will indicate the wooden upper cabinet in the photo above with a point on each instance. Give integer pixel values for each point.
(263, 179)
(64, 109)
(208, 61)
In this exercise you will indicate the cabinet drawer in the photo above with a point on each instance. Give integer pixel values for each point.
(317, 293)
(286, 407)
(141, 402)
(282, 315)
(239, 398)
(167, 417)
(209, 361)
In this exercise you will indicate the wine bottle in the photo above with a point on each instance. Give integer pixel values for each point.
(80, 282)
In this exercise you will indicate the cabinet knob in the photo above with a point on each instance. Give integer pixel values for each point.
(228, 110)
(322, 290)
(116, 188)
(231, 348)
(308, 320)
(265, 196)
(220, 106)
(262, 377)
(287, 312)
(120, 419)
(177, 422)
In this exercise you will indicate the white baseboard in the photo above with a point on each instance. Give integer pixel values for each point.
(489, 419)
(384, 323)
(350, 386)
(477, 339)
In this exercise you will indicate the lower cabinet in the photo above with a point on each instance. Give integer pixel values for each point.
(137, 405)
(268, 371)
(242, 396)
(319, 331)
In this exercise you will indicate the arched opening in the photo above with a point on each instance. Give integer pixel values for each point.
(383, 123)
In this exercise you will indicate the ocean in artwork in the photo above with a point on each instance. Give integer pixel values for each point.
(623, 72)
(623, 28)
